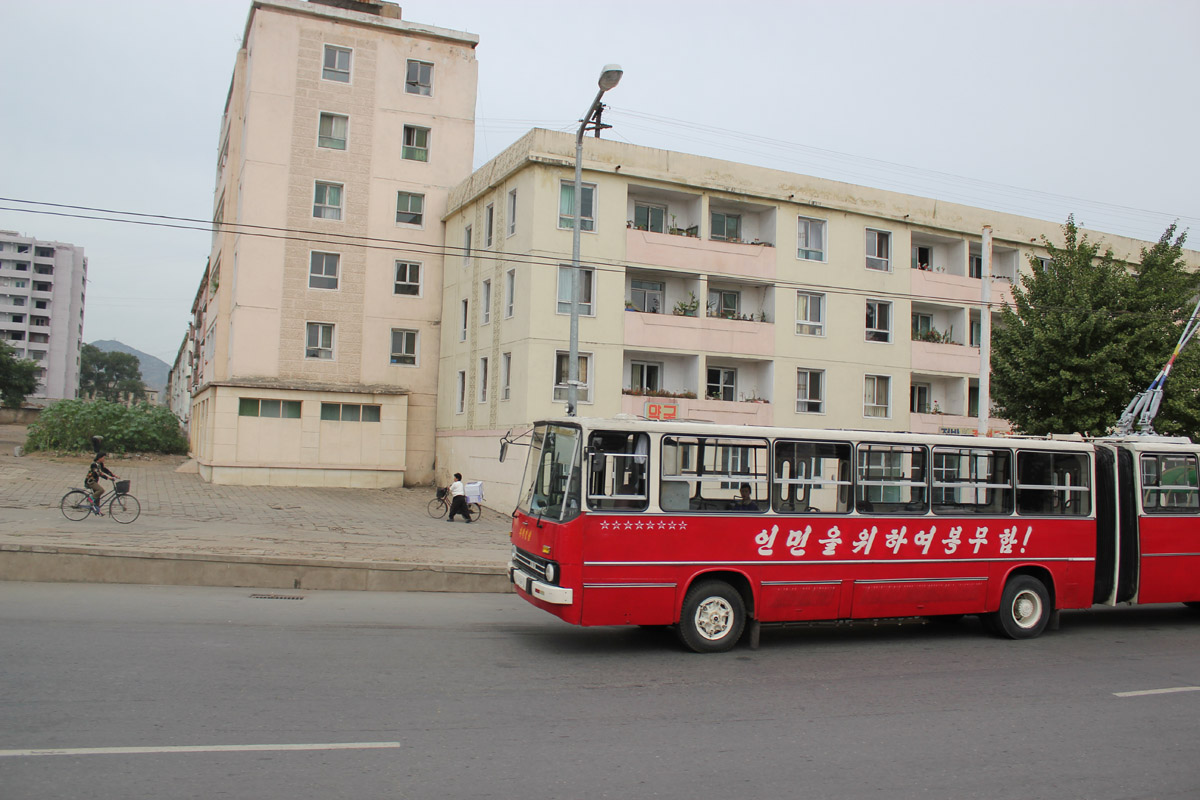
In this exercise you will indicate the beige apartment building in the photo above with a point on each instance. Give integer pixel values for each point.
(313, 351)
(714, 291)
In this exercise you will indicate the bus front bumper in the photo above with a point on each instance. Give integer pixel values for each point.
(545, 592)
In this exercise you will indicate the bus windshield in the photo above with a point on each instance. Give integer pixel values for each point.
(550, 486)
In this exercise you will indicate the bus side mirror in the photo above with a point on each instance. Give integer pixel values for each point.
(503, 449)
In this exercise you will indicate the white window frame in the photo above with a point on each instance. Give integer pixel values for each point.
(649, 224)
(915, 390)
(335, 70)
(324, 343)
(408, 334)
(804, 228)
(512, 212)
(413, 151)
(727, 379)
(871, 388)
(587, 305)
(585, 369)
(805, 396)
(808, 323)
(489, 223)
(725, 217)
(332, 136)
(416, 86)
(505, 376)
(408, 270)
(653, 296)
(485, 302)
(461, 392)
(464, 315)
(882, 335)
(566, 206)
(482, 379)
(510, 293)
(468, 234)
(339, 208)
(324, 274)
(646, 367)
(419, 196)
(871, 244)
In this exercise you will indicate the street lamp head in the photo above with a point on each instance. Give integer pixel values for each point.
(610, 76)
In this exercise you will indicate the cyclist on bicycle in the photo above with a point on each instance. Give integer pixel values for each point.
(95, 472)
(458, 499)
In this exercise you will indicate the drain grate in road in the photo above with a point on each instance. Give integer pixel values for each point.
(276, 597)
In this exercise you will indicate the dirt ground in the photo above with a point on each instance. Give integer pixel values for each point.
(10, 437)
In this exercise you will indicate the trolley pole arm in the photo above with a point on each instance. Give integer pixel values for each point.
(1143, 408)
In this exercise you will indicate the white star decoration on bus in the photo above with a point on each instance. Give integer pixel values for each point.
(649, 525)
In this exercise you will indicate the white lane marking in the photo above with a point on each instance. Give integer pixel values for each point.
(1158, 691)
(212, 748)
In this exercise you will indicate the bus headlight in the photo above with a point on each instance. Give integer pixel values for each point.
(551, 572)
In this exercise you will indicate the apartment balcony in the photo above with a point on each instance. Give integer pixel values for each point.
(944, 358)
(721, 412)
(955, 424)
(705, 256)
(942, 287)
(671, 332)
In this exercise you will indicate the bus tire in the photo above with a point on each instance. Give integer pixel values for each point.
(1024, 608)
(713, 617)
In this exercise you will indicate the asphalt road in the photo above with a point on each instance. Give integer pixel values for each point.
(465, 696)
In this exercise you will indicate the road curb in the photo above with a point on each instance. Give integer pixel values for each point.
(39, 563)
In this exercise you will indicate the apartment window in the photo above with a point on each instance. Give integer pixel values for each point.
(349, 412)
(922, 257)
(463, 318)
(337, 64)
(505, 375)
(331, 131)
(323, 270)
(489, 219)
(810, 239)
(566, 206)
(319, 341)
(273, 409)
(510, 292)
(561, 363)
(646, 296)
(408, 278)
(726, 227)
(810, 391)
(879, 248)
(587, 278)
(512, 212)
(467, 246)
(327, 200)
(416, 143)
(724, 303)
(976, 333)
(410, 208)
(404, 347)
(918, 398)
(722, 384)
(646, 376)
(922, 325)
(879, 321)
(810, 314)
(419, 79)
(485, 303)
(648, 217)
(975, 266)
(483, 379)
(877, 391)
(460, 392)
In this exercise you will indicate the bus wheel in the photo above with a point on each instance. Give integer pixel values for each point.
(713, 617)
(1024, 608)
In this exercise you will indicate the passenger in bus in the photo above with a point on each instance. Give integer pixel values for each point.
(743, 502)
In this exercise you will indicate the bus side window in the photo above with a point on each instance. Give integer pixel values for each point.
(811, 477)
(617, 469)
(1169, 484)
(1053, 484)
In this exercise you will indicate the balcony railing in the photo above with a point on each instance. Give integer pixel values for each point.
(697, 255)
(704, 334)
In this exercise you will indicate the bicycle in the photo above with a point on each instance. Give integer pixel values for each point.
(440, 505)
(123, 507)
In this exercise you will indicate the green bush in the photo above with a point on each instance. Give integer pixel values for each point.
(69, 425)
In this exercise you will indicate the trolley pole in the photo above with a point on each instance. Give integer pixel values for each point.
(985, 333)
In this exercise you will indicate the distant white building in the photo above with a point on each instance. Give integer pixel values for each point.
(42, 287)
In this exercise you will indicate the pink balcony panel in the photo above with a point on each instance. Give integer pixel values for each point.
(939, 287)
(705, 334)
(700, 255)
(938, 358)
(718, 411)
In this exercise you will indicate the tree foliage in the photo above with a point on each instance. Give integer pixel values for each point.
(1088, 333)
(68, 426)
(110, 376)
(18, 377)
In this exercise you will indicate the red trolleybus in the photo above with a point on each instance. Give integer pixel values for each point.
(715, 528)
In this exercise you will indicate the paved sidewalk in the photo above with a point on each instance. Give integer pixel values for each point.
(192, 532)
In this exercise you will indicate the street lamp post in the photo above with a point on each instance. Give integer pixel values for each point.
(609, 77)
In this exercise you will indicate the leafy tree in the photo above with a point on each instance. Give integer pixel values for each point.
(68, 426)
(1088, 333)
(18, 377)
(110, 376)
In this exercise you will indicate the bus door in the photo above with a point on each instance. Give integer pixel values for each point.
(1169, 528)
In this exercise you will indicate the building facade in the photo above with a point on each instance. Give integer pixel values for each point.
(714, 291)
(312, 355)
(42, 293)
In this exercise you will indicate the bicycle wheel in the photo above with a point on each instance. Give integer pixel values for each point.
(436, 508)
(124, 508)
(473, 511)
(76, 505)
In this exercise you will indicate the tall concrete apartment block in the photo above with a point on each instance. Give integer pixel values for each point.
(42, 288)
(715, 291)
(314, 343)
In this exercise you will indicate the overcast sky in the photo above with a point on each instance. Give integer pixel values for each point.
(1038, 108)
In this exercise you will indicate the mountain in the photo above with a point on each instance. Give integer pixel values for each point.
(154, 370)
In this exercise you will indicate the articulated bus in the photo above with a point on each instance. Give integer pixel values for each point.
(719, 529)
